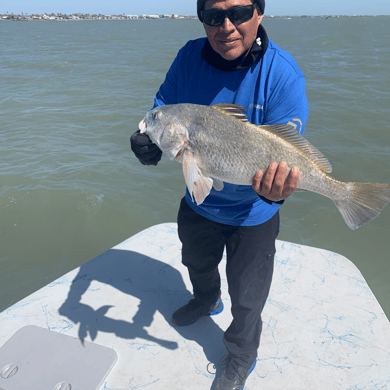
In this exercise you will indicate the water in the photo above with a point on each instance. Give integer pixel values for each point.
(71, 94)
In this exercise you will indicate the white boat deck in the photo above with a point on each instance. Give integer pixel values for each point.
(323, 327)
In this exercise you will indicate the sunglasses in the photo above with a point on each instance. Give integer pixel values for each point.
(237, 15)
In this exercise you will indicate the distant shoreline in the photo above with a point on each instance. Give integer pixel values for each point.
(79, 17)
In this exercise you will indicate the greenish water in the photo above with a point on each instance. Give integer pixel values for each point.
(72, 93)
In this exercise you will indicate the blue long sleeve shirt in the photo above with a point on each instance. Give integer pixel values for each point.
(272, 90)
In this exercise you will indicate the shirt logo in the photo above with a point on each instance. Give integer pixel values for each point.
(256, 106)
(296, 123)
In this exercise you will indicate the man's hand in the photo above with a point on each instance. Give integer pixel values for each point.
(273, 183)
(144, 149)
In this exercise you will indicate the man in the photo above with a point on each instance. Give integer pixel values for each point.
(237, 63)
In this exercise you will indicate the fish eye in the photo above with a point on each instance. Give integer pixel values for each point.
(157, 115)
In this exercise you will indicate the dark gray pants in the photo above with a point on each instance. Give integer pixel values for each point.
(250, 260)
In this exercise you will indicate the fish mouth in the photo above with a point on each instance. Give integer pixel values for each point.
(142, 126)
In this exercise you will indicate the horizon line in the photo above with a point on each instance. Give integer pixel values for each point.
(190, 15)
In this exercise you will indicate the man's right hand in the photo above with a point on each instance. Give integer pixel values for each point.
(144, 149)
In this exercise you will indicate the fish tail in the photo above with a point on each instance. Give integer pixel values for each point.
(362, 202)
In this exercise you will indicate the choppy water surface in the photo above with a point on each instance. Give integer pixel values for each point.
(71, 94)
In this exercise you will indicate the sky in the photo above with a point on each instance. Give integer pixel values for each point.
(188, 7)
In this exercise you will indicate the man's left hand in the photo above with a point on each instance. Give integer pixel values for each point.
(273, 183)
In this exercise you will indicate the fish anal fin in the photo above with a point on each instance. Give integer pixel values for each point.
(233, 110)
(297, 140)
(199, 185)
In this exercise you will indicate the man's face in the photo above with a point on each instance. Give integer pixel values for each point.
(231, 40)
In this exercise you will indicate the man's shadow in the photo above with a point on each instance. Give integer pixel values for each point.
(157, 285)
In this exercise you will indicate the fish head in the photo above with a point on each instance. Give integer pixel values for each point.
(165, 130)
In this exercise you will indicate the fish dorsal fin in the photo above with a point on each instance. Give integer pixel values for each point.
(233, 110)
(291, 135)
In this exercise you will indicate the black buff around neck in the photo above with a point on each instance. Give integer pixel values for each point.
(255, 54)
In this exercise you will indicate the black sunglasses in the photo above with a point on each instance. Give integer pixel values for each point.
(237, 15)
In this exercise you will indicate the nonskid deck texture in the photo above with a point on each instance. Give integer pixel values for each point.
(323, 327)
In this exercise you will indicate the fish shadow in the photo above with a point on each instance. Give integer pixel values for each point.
(159, 288)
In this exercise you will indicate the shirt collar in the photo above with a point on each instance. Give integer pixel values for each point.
(255, 54)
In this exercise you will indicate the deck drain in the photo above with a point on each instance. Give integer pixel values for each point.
(9, 371)
(63, 386)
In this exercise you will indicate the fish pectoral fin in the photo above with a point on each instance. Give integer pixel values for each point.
(199, 185)
(217, 184)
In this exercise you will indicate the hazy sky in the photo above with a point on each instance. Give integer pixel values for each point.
(188, 7)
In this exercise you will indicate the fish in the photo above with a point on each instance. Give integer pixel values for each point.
(217, 144)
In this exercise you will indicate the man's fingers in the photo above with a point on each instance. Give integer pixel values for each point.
(291, 182)
(268, 178)
(278, 184)
(273, 183)
(256, 181)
